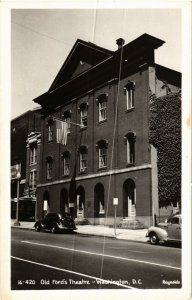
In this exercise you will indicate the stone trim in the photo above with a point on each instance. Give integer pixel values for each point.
(112, 172)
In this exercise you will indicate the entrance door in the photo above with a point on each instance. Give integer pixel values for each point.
(99, 203)
(129, 198)
(64, 205)
(46, 204)
(80, 202)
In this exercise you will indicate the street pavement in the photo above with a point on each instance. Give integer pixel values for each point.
(138, 235)
(41, 260)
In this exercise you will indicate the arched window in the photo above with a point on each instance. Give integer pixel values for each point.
(102, 105)
(67, 119)
(102, 152)
(50, 123)
(83, 108)
(99, 200)
(130, 143)
(66, 162)
(83, 151)
(49, 167)
(129, 93)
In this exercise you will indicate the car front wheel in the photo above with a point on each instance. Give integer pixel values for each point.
(54, 229)
(153, 238)
(37, 228)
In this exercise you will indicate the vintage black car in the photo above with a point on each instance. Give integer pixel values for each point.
(56, 222)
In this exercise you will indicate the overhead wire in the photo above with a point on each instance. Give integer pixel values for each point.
(39, 33)
(113, 146)
(112, 156)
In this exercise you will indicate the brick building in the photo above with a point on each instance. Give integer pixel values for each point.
(109, 155)
(25, 153)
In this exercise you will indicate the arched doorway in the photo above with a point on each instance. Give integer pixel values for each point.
(64, 205)
(80, 202)
(129, 198)
(46, 203)
(99, 202)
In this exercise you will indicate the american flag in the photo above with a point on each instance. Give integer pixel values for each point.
(61, 132)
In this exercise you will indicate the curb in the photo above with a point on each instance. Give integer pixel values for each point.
(89, 234)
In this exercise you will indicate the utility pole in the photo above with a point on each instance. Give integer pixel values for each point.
(18, 175)
(115, 203)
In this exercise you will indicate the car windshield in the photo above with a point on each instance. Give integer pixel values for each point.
(64, 215)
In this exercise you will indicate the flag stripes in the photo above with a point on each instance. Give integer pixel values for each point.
(61, 132)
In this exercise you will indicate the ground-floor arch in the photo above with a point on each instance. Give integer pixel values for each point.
(64, 202)
(80, 205)
(46, 203)
(129, 198)
(99, 201)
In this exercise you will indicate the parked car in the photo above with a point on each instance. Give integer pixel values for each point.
(170, 230)
(56, 222)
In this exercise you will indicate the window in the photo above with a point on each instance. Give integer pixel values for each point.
(67, 119)
(50, 130)
(83, 114)
(83, 159)
(102, 146)
(129, 93)
(33, 155)
(130, 142)
(174, 221)
(49, 165)
(102, 102)
(66, 163)
(33, 179)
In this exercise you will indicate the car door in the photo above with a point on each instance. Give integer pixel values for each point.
(47, 221)
(174, 228)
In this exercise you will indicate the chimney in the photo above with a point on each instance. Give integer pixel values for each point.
(120, 42)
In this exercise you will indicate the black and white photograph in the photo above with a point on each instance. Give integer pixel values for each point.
(96, 127)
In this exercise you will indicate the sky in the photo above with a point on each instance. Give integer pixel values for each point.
(41, 39)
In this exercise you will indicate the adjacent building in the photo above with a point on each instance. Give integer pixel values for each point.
(107, 161)
(25, 153)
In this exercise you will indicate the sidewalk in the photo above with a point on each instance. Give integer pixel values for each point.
(138, 235)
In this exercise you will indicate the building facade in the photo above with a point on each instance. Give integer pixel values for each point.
(25, 153)
(103, 96)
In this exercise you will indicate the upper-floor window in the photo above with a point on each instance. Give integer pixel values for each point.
(83, 114)
(33, 179)
(67, 119)
(33, 154)
(102, 152)
(102, 104)
(50, 130)
(83, 159)
(66, 163)
(130, 142)
(49, 167)
(129, 93)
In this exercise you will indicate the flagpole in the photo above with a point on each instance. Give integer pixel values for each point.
(67, 121)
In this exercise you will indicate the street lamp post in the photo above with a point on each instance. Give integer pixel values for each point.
(17, 208)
